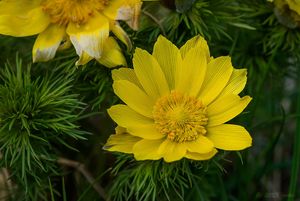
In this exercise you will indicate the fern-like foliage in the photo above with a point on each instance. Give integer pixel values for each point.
(179, 20)
(149, 180)
(37, 115)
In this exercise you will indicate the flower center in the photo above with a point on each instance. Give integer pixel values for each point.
(78, 11)
(181, 118)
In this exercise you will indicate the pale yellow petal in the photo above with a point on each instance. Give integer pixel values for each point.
(217, 76)
(127, 10)
(201, 145)
(134, 97)
(150, 74)
(146, 131)
(200, 157)
(197, 41)
(190, 75)
(47, 43)
(113, 9)
(133, 11)
(91, 36)
(229, 137)
(120, 33)
(226, 108)
(127, 117)
(147, 150)
(172, 151)
(31, 23)
(126, 74)
(121, 143)
(236, 82)
(169, 58)
(112, 55)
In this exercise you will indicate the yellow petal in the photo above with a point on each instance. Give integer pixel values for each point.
(47, 43)
(66, 44)
(120, 130)
(169, 58)
(121, 143)
(295, 6)
(83, 59)
(202, 145)
(134, 97)
(146, 131)
(197, 41)
(112, 55)
(172, 151)
(147, 149)
(31, 23)
(89, 37)
(126, 74)
(133, 12)
(200, 157)
(17, 7)
(191, 73)
(236, 82)
(128, 11)
(150, 74)
(126, 117)
(217, 75)
(229, 137)
(120, 33)
(113, 9)
(226, 108)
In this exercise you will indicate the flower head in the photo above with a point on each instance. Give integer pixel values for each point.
(84, 23)
(288, 12)
(177, 103)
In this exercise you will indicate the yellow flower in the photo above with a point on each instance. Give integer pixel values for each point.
(177, 104)
(294, 5)
(84, 23)
(288, 12)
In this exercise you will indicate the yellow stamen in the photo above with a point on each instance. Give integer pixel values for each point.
(78, 11)
(181, 118)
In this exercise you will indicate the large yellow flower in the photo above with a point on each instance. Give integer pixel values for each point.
(84, 23)
(177, 104)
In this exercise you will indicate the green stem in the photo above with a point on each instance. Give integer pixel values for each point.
(296, 151)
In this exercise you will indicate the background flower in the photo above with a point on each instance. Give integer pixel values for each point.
(177, 103)
(85, 24)
(288, 12)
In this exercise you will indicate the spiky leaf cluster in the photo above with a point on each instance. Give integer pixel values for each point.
(94, 82)
(37, 116)
(179, 20)
(149, 180)
(276, 25)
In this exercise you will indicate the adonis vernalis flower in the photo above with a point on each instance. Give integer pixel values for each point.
(294, 5)
(288, 12)
(84, 23)
(177, 103)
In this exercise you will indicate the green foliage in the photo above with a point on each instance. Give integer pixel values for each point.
(211, 19)
(278, 33)
(93, 81)
(149, 180)
(37, 114)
